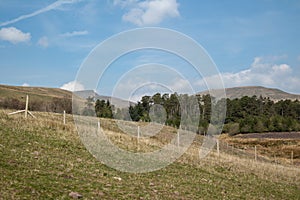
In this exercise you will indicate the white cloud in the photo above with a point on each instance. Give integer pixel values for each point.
(43, 41)
(124, 3)
(25, 85)
(52, 6)
(263, 72)
(74, 33)
(14, 35)
(149, 12)
(180, 85)
(283, 68)
(72, 86)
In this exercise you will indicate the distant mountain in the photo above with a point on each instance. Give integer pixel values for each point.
(117, 102)
(272, 93)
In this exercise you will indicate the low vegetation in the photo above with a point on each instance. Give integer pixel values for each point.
(44, 159)
(41, 99)
(278, 147)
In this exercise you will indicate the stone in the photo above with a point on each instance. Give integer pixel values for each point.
(75, 195)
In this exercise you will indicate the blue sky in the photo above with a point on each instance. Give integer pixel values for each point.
(43, 43)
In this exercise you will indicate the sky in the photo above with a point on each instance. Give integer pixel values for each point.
(45, 43)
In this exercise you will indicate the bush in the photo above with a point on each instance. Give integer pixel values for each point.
(233, 129)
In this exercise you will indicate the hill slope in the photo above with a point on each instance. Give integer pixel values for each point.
(36, 93)
(47, 99)
(44, 159)
(272, 93)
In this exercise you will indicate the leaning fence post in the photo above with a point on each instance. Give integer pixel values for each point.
(26, 111)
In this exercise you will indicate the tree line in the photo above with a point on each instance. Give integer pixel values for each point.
(243, 115)
(258, 114)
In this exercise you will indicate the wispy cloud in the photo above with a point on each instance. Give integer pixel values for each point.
(43, 42)
(14, 35)
(150, 12)
(52, 6)
(74, 33)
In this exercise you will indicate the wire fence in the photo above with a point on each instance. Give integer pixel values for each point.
(253, 153)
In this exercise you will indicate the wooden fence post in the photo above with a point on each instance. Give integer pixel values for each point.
(26, 111)
(98, 125)
(292, 157)
(26, 107)
(255, 152)
(64, 117)
(138, 137)
(218, 148)
(178, 138)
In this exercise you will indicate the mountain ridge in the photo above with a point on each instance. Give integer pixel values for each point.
(117, 102)
(46, 94)
(274, 94)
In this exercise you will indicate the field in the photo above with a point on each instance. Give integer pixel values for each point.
(44, 159)
(277, 147)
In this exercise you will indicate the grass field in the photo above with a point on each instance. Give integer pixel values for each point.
(45, 159)
(276, 146)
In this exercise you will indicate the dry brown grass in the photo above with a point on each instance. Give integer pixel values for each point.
(127, 142)
(265, 170)
(278, 150)
(44, 158)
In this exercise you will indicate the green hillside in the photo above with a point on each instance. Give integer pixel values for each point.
(44, 159)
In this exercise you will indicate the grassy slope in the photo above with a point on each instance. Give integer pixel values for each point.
(43, 159)
(44, 94)
(274, 149)
(36, 93)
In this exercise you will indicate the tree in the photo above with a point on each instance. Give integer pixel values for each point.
(103, 109)
(245, 115)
